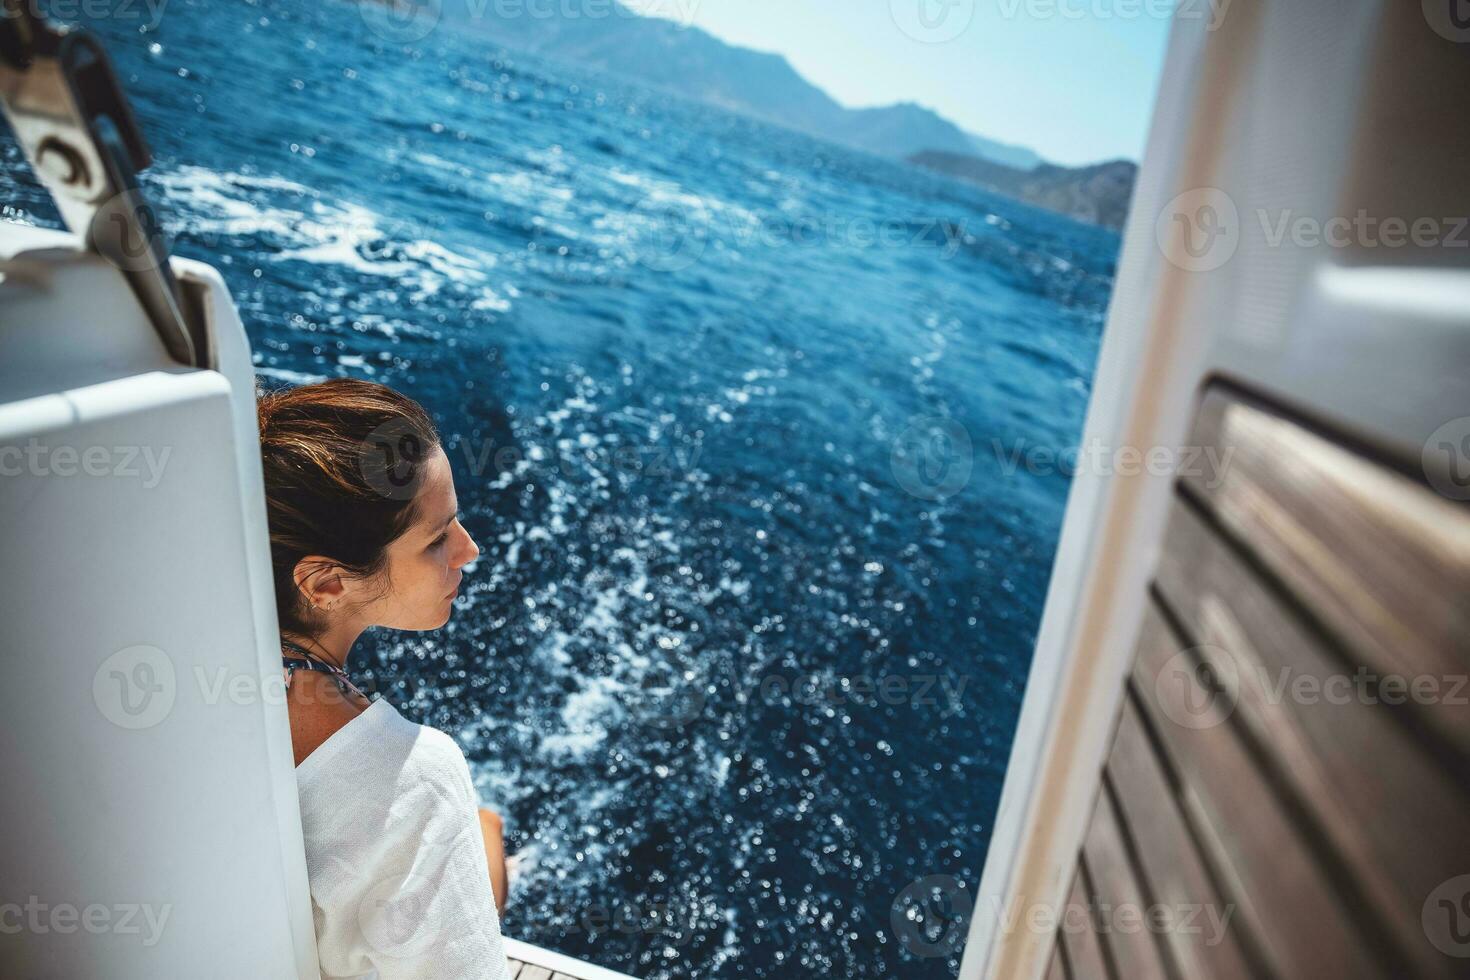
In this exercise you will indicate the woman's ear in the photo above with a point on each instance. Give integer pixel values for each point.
(319, 581)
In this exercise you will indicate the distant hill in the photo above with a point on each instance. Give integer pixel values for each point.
(699, 66)
(1098, 194)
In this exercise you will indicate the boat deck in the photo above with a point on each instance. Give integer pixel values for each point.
(529, 962)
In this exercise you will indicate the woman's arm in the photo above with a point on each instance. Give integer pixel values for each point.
(493, 829)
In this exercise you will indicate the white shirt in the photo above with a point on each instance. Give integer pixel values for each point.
(394, 855)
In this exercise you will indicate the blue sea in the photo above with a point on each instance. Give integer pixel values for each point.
(732, 413)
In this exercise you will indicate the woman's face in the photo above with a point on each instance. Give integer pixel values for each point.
(423, 569)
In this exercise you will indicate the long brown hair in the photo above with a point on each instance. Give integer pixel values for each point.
(343, 460)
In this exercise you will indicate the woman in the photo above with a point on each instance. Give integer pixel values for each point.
(405, 871)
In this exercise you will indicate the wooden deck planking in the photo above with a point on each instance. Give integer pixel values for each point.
(1111, 871)
(1247, 829)
(1058, 969)
(1381, 561)
(529, 962)
(1344, 763)
(1240, 775)
(1082, 947)
(1169, 860)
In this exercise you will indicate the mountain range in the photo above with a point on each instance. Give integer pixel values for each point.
(699, 66)
(696, 65)
(1099, 194)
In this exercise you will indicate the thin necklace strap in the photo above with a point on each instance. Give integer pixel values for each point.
(315, 662)
(311, 655)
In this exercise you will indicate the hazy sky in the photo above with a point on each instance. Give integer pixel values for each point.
(1072, 79)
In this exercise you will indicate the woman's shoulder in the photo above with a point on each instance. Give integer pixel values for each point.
(426, 753)
(381, 753)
